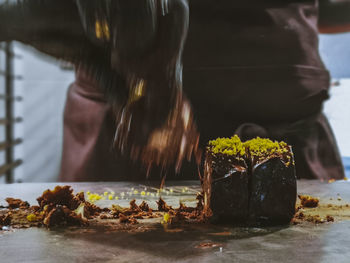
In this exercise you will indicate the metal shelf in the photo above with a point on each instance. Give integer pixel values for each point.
(15, 98)
(10, 121)
(6, 145)
(6, 168)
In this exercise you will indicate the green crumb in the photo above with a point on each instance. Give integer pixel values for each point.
(261, 147)
(258, 147)
(32, 218)
(229, 146)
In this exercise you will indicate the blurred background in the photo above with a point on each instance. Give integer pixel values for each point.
(33, 92)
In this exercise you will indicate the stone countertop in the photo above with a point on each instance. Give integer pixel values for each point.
(307, 242)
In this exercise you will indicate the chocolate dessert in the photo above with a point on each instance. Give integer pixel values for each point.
(251, 182)
(225, 186)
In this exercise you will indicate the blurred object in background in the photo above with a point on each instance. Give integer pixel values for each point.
(337, 110)
(2, 106)
(45, 83)
(346, 161)
(8, 116)
(335, 52)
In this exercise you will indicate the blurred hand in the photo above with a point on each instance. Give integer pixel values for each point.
(133, 48)
(155, 136)
(156, 124)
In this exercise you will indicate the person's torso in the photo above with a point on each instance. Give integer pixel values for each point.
(243, 52)
(252, 33)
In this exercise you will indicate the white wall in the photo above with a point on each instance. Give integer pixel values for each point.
(43, 89)
(337, 110)
(335, 51)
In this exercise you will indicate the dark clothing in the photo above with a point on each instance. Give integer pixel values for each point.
(257, 61)
(88, 133)
(314, 146)
(251, 68)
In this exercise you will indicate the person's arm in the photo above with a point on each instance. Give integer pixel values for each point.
(132, 47)
(55, 28)
(334, 16)
(43, 23)
(146, 39)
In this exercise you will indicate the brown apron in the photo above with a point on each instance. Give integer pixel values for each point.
(250, 67)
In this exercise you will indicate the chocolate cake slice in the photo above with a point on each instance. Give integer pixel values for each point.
(226, 181)
(252, 182)
(273, 188)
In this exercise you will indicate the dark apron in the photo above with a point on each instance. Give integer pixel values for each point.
(250, 67)
(89, 127)
(256, 64)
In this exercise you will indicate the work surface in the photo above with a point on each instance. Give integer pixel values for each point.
(307, 242)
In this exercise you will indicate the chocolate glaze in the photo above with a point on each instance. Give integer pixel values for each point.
(243, 190)
(273, 192)
(226, 188)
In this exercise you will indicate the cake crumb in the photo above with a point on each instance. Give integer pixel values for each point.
(309, 201)
(330, 218)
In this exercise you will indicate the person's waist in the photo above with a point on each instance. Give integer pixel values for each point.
(86, 85)
(289, 91)
(260, 73)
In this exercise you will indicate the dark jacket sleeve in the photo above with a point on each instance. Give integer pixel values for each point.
(124, 25)
(108, 38)
(137, 32)
(334, 16)
(53, 27)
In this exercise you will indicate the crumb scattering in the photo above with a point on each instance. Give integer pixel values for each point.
(14, 203)
(308, 201)
(60, 207)
(205, 245)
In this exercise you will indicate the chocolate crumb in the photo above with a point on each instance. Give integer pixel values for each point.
(330, 218)
(145, 207)
(14, 203)
(5, 219)
(308, 201)
(162, 206)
